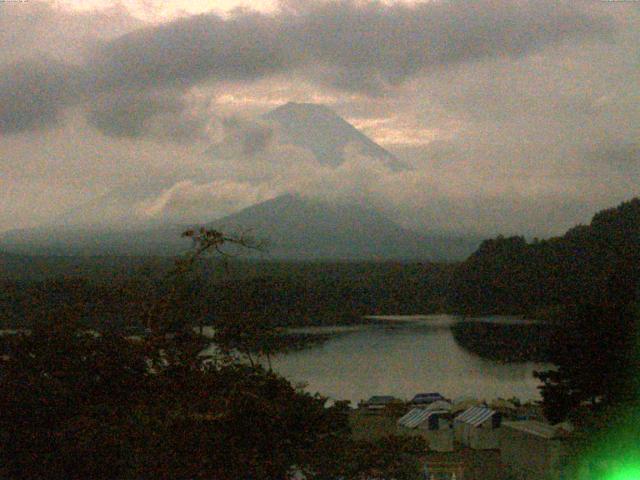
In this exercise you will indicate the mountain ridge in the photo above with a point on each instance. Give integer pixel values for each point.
(298, 228)
(303, 228)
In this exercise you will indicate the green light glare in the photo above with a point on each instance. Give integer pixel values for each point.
(625, 472)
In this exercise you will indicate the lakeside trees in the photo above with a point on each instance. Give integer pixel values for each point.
(588, 265)
(587, 283)
(291, 294)
(79, 403)
(597, 362)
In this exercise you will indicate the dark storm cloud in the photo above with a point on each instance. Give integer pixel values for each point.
(370, 46)
(128, 115)
(33, 92)
(349, 45)
(353, 44)
(186, 51)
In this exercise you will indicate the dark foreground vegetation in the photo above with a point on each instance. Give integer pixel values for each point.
(118, 290)
(79, 403)
(508, 342)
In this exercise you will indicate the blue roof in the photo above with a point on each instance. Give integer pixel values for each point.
(427, 397)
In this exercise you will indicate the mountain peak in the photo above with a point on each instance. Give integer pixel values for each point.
(319, 129)
(297, 108)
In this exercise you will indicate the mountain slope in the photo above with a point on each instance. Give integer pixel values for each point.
(300, 228)
(326, 134)
(296, 228)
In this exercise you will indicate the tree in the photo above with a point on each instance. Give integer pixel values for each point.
(78, 403)
(596, 362)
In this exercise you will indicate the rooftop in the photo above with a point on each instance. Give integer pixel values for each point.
(539, 429)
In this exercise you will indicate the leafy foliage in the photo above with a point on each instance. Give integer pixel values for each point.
(592, 265)
(590, 280)
(77, 403)
(597, 363)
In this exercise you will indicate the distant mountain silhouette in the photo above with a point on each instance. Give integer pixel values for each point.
(300, 228)
(297, 228)
(319, 129)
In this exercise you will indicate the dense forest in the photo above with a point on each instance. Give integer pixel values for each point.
(119, 291)
(587, 283)
(591, 264)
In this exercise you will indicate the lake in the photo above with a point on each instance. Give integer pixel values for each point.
(404, 355)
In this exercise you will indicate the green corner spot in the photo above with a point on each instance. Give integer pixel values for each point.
(625, 473)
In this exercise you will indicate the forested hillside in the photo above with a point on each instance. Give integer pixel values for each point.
(591, 264)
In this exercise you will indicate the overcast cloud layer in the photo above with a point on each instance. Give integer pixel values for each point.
(517, 116)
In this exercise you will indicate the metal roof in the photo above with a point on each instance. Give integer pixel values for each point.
(539, 429)
(475, 416)
(417, 416)
(427, 397)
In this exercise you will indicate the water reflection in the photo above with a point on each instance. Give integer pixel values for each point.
(402, 359)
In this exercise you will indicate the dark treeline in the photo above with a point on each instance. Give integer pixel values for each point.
(587, 283)
(583, 284)
(101, 404)
(590, 265)
(121, 291)
(507, 342)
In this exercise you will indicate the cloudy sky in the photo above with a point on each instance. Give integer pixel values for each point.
(516, 116)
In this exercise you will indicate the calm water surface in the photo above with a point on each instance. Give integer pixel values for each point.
(403, 356)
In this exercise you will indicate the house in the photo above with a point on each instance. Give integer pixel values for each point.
(461, 404)
(439, 405)
(379, 402)
(477, 428)
(426, 398)
(433, 425)
(532, 449)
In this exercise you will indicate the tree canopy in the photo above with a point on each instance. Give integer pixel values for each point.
(78, 403)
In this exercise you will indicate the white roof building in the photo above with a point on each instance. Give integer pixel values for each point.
(477, 428)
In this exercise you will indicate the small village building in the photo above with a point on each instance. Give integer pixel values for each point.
(532, 450)
(426, 398)
(377, 403)
(434, 426)
(440, 405)
(461, 404)
(478, 428)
